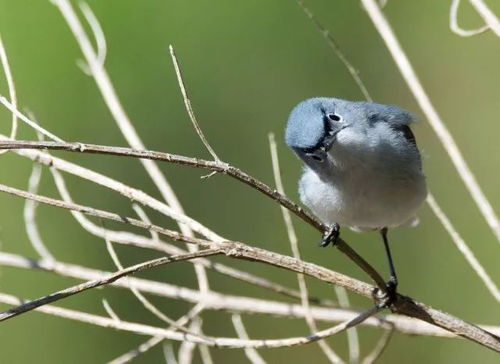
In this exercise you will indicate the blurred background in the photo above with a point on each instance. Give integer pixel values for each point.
(246, 64)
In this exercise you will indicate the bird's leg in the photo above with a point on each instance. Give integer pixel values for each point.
(330, 235)
(392, 283)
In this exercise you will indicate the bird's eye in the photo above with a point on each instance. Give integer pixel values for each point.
(334, 117)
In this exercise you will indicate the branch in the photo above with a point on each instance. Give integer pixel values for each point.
(56, 296)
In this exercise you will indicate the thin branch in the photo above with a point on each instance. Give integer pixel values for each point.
(206, 357)
(463, 248)
(155, 340)
(110, 311)
(186, 349)
(111, 99)
(292, 237)
(11, 87)
(31, 305)
(97, 31)
(336, 49)
(251, 353)
(442, 132)
(379, 348)
(189, 108)
(144, 217)
(168, 352)
(455, 28)
(26, 120)
(352, 333)
(488, 16)
(141, 349)
(29, 214)
(105, 215)
(142, 299)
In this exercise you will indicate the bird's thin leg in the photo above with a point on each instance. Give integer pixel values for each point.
(392, 283)
(330, 235)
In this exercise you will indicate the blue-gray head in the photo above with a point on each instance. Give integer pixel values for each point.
(317, 125)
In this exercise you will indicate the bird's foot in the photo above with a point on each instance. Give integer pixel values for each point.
(388, 297)
(330, 236)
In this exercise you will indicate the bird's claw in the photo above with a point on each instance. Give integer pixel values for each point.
(390, 294)
(330, 236)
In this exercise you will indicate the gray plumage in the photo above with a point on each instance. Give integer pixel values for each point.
(362, 165)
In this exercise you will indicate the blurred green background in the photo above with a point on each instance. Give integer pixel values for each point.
(246, 64)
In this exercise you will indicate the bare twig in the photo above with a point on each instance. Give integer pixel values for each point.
(444, 135)
(206, 357)
(97, 31)
(142, 299)
(26, 120)
(336, 49)
(29, 214)
(155, 340)
(105, 215)
(11, 87)
(186, 349)
(109, 310)
(251, 353)
(292, 237)
(463, 248)
(455, 28)
(189, 108)
(379, 348)
(31, 305)
(168, 352)
(352, 333)
(110, 97)
(141, 349)
(488, 16)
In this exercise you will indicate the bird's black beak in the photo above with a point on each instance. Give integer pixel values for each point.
(317, 157)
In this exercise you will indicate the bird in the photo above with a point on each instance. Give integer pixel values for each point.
(362, 168)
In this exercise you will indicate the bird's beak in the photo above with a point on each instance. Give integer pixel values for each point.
(331, 137)
(319, 155)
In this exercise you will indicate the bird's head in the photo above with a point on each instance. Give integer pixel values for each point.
(312, 129)
(326, 131)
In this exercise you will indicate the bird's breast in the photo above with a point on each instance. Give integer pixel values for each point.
(367, 197)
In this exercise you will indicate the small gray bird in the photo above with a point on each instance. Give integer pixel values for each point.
(362, 167)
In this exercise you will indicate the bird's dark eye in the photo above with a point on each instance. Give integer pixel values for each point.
(334, 117)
